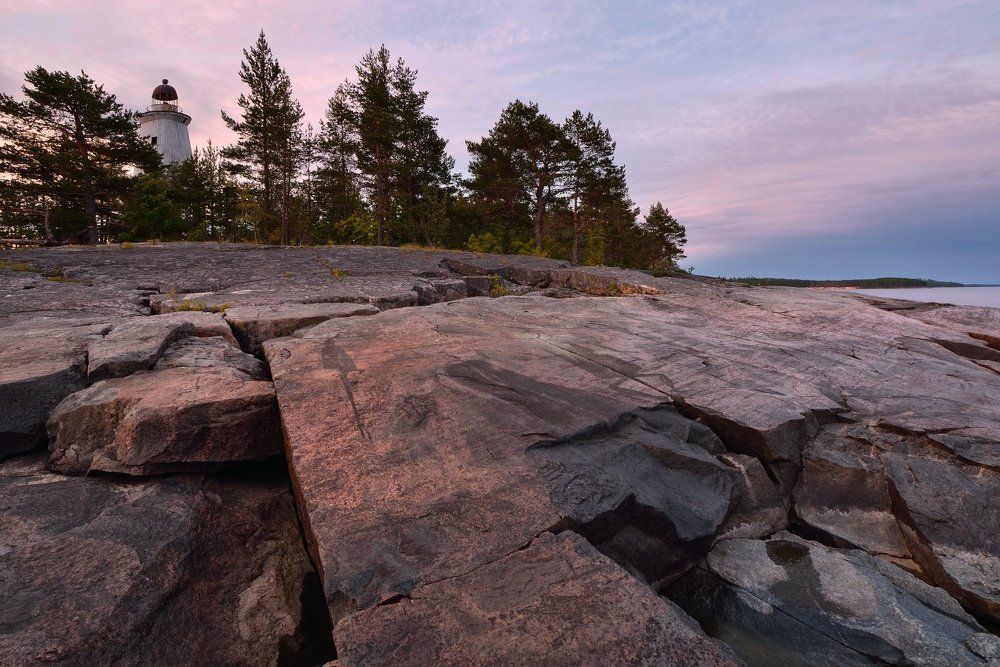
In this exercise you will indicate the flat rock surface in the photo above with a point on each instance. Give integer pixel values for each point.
(173, 571)
(556, 602)
(167, 420)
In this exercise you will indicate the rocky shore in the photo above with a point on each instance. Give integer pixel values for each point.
(225, 454)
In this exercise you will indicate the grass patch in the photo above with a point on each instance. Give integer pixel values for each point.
(23, 267)
(187, 305)
(199, 307)
(427, 248)
(57, 276)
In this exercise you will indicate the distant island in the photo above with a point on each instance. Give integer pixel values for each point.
(861, 283)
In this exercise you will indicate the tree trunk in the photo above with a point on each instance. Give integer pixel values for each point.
(575, 258)
(539, 215)
(45, 220)
(89, 204)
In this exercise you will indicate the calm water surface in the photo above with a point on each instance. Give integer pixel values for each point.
(959, 296)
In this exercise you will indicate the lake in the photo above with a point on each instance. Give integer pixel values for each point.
(959, 296)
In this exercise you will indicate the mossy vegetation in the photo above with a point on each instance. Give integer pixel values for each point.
(497, 287)
(23, 267)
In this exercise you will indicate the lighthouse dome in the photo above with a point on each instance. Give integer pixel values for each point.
(165, 92)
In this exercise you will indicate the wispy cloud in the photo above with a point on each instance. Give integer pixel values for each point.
(761, 124)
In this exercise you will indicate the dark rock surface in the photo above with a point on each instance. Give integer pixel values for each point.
(42, 360)
(791, 601)
(171, 571)
(619, 442)
(213, 352)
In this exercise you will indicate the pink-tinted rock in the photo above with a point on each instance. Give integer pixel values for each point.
(176, 570)
(255, 324)
(168, 420)
(556, 602)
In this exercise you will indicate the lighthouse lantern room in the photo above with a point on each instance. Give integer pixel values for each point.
(165, 126)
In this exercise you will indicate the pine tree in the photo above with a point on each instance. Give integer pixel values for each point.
(336, 183)
(379, 147)
(71, 146)
(518, 168)
(667, 237)
(593, 181)
(269, 130)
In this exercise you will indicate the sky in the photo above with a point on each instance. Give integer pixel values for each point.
(811, 139)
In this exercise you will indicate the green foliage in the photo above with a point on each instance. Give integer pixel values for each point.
(151, 212)
(484, 243)
(666, 237)
(379, 150)
(497, 287)
(516, 170)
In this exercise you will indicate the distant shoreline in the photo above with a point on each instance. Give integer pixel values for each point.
(858, 283)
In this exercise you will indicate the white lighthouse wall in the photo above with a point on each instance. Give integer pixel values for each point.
(171, 132)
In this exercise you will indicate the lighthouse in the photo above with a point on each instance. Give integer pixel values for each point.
(165, 126)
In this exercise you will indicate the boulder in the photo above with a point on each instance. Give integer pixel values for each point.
(100, 571)
(440, 289)
(175, 419)
(844, 494)
(604, 281)
(133, 345)
(949, 514)
(787, 600)
(212, 352)
(556, 602)
(204, 324)
(254, 325)
(519, 269)
(493, 286)
(42, 360)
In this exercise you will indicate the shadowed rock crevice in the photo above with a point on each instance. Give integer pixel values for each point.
(652, 490)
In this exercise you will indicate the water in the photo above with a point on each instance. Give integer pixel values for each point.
(959, 296)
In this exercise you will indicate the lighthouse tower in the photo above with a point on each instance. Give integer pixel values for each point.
(165, 126)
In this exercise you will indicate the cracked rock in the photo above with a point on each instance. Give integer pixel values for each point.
(254, 325)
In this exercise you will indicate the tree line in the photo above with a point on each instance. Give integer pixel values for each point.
(375, 171)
